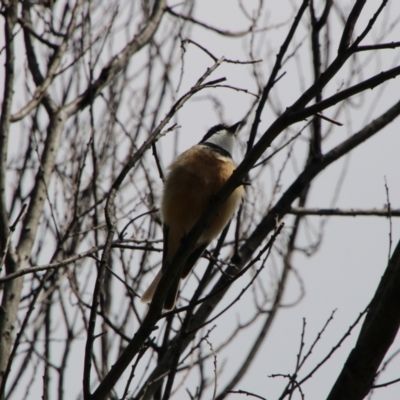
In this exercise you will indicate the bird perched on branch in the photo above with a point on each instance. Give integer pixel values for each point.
(193, 179)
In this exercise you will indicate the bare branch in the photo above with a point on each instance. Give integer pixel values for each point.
(350, 25)
(215, 29)
(12, 230)
(216, 58)
(377, 334)
(383, 46)
(157, 304)
(273, 77)
(353, 212)
(248, 394)
(55, 265)
(116, 65)
(99, 84)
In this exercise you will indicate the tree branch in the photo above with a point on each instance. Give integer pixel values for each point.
(119, 62)
(272, 79)
(353, 212)
(267, 224)
(156, 306)
(377, 334)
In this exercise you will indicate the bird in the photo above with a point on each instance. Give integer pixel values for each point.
(193, 178)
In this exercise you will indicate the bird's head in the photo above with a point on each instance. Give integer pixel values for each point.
(223, 135)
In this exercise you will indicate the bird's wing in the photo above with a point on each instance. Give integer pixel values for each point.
(165, 244)
(172, 295)
(192, 260)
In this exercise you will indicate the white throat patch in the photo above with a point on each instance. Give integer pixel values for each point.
(223, 139)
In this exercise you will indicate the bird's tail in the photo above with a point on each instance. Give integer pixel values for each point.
(171, 295)
(149, 293)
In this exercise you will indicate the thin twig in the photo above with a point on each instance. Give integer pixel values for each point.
(334, 348)
(215, 369)
(329, 119)
(382, 46)
(386, 384)
(389, 214)
(247, 394)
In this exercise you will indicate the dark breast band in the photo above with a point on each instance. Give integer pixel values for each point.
(217, 149)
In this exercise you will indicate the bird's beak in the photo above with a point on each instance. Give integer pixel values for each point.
(235, 128)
